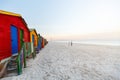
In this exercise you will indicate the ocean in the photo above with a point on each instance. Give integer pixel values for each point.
(107, 42)
(96, 42)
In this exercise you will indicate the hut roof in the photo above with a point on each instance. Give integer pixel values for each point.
(32, 29)
(14, 14)
(9, 13)
(38, 34)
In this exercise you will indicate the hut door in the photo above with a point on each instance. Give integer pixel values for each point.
(14, 40)
(39, 45)
(33, 40)
(21, 38)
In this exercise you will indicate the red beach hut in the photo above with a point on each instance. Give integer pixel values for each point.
(13, 32)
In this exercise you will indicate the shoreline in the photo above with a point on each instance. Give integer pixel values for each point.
(86, 43)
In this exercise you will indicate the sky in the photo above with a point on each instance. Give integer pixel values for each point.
(69, 19)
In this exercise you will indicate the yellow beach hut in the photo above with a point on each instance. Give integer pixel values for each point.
(33, 39)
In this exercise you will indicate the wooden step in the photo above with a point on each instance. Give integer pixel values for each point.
(11, 69)
(3, 69)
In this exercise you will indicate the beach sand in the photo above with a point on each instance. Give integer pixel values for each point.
(60, 61)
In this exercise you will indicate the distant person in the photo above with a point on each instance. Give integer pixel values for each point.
(71, 43)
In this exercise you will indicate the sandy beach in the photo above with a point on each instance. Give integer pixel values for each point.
(60, 61)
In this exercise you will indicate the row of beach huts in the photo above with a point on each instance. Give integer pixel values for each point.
(18, 43)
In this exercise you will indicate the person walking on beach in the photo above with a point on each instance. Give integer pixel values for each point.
(71, 43)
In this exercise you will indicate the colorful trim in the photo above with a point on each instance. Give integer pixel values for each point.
(9, 13)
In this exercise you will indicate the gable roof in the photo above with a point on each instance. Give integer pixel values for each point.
(14, 14)
(9, 13)
(38, 34)
(32, 29)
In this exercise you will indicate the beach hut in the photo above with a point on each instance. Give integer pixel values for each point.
(43, 42)
(33, 39)
(13, 33)
(39, 41)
